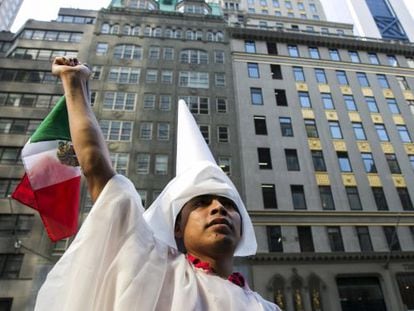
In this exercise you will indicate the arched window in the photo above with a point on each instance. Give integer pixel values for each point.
(157, 32)
(128, 51)
(178, 33)
(136, 31)
(199, 35)
(105, 28)
(219, 36)
(147, 31)
(191, 56)
(189, 35)
(277, 286)
(315, 285)
(210, 36)
(297, 295)
(115, 29)
(168, 33)
(126, 30)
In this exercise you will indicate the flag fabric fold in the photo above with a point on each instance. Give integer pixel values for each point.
(51, 184)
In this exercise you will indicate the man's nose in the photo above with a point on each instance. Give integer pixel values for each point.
(217, 207)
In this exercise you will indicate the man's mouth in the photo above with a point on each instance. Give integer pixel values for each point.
(220, 221)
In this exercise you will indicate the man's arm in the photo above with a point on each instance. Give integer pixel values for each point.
(87, 139)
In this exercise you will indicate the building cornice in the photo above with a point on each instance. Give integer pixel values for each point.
(327, 40)
(334, 257)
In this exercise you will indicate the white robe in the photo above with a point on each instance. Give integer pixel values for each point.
(115, 263)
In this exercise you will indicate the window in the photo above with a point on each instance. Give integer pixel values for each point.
(265, 160)
(411, 159)
(344, 163)
(18, 126)
(404, 135)
(116, 130)
(335, 239)
(249, 46)
(362, 78)
(383, 82)
(15, 224)
(166, 77)
(220, 79)
(280, 96)
(288, 4)
(260, 125)
(350, 103)
(292, 160)
(145, 131)
(341, 77)
(320, 76)
(327, 101)
(392, 60)
(402, 82)
(269, 196)
(7, 186)
(314, 53)
(225, 164)
(372, 104)
(286, 126)
(143, 163)
(101, 48)
(353, 198)
(154, 53)
(373, 58)
(10, 155)
(379, 197)
(311, 130)
(305, 239)
(125, 75)
(353, 55)
(318, 161)
(369, 163)
(163, 131)
(335, 130)
(276, 71)
(392, 238)
(364, 239)
(165, 102)
(393, 163)
(293, 51)
(304, 100)
(194, 79)
(359, 131)
(197, 105)
(256, 96)
(381, 132)
(274, 238)
(405, 199)
(298, 197)
(151, 76)
(219, 57)
(149, 101)
(272, 48)
(161, 164)
(129, 51)
(120, 162)
(298, 74)
(190, 56)
(168, 53)
(119, 101)
(350, 293)
(223, 134)
(10, 265)
(221, 105)
(327, 201)
(334, 54)
(205, 132)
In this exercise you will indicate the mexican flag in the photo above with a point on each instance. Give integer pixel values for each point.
(51, 184)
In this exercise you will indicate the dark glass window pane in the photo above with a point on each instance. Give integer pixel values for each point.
(269, 196)
(380, 199)
(298, 197)
(335, 239)
(326, 198)
(305, 239)
(265, 161)
(274, 238)
(292, 161)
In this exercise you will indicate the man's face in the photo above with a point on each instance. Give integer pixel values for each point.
(209, 224)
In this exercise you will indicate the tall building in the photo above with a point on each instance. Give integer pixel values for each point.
(386, 19)
(313, 124)
(8, 12)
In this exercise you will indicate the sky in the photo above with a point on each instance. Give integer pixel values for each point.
(48, 9)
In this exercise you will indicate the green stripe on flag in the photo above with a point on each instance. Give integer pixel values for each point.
(55, 125)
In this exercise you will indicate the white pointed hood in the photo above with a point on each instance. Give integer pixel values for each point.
(196, 174)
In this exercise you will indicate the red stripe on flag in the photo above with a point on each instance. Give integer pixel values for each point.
(58, 205)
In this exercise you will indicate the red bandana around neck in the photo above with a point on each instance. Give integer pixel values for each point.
(236, 277)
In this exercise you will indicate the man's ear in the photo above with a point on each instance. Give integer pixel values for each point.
(178, 233)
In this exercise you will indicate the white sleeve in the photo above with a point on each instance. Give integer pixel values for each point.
(111, 248)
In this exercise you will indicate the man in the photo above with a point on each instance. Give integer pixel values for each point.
(124, 259)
